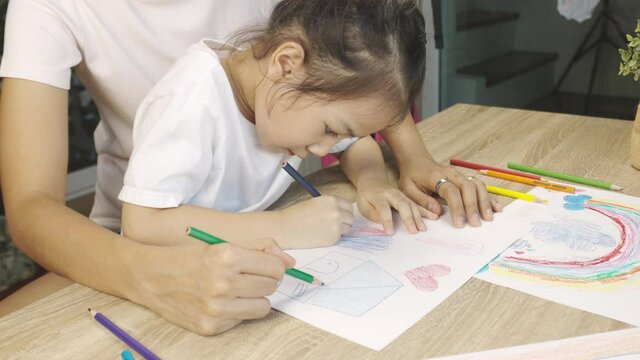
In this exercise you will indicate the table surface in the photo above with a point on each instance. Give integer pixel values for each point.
(478, 316)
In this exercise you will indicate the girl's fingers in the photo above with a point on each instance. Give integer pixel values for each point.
(417, 212)
(497, 207)
(386, 217)
(406, 214)
(368, 211)
(427, 214)
(413, 192)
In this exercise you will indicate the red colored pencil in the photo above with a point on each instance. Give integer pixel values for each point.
(476, 166)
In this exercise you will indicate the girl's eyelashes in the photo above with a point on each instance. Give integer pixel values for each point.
(330, 132)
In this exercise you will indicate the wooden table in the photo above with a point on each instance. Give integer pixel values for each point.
(478, 316)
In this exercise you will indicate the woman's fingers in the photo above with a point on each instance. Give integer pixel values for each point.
(451, 194)
(484, 199)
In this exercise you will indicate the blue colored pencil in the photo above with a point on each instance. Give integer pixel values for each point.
(126, 355)
(300, 179)
(122, 335)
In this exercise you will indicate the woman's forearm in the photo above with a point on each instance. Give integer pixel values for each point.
(73, 246)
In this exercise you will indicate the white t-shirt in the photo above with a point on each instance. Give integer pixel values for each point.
(120, 49)
(192, 145)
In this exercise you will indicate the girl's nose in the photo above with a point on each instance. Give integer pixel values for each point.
(322, 148)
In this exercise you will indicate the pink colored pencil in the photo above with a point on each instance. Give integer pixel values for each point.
(476, 166)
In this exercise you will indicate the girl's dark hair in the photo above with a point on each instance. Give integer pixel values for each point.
(353, 48)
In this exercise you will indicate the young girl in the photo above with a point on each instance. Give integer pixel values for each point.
(210, 137)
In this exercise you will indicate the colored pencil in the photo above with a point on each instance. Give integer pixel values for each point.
(211, 239)
(300, 179)
(514, 194)
(561, 176)
(532, 182)
(476, 166)
(126, 355)
(122, 335)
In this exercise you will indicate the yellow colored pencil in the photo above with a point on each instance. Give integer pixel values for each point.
(532, 182)
(514, 194)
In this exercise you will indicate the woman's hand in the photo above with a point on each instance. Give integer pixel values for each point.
(208, 289)
(376, 197)
(467, 198)
(317, 222)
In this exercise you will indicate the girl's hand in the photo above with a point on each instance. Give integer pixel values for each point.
(208, 288)
(317, 222)
(376, 197)
(467, 198)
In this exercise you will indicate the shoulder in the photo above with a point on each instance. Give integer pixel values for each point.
(197, 71)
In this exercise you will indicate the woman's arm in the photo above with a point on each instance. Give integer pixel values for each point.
(202, 288)
(468, 200)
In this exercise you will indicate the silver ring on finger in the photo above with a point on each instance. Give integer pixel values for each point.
(440, 183)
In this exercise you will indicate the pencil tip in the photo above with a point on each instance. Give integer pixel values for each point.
(318, 282)
(615, 187)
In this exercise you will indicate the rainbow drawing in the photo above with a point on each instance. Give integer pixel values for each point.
(618, 266)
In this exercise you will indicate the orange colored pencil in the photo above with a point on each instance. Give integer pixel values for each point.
(532, 182)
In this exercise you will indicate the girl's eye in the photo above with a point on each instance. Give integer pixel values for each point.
(330, 132)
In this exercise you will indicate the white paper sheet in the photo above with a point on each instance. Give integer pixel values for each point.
(583, 251)
(377, 286)
(614, 345)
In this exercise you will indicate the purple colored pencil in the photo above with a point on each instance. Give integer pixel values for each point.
(122, 335)
(300, 179)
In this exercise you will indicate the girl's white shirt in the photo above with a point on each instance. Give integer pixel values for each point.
(192, 145)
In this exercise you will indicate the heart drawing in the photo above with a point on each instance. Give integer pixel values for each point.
(424, 277)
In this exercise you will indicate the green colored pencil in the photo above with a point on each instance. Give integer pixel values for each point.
(556, 175)
(210, 239)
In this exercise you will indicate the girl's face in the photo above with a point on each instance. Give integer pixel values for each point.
(312, 126)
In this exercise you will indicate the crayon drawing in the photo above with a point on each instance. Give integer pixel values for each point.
(424, 277)
(453, 245)
(365, 236)
(586, 243)
(377, 286)
(352, 286)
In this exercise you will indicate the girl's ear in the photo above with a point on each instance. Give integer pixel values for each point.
(286, 61)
